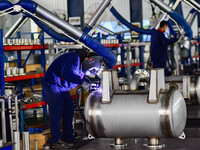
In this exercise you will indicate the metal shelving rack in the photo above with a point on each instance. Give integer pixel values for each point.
(19, 49)
(122, 45)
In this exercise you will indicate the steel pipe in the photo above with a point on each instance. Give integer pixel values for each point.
(193, 4)
(3, 119)
(130, 115)
(45, 14)
(25, 141)
(10, 116)
(105, 29)
(16, 140)
(162, 5)
(22, 20)
(140, 75)
(16, 112)
(98, 13)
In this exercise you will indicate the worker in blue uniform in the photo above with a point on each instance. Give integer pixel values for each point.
(159, 46)
(62, 75)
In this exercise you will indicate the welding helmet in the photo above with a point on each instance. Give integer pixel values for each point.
(91, 65)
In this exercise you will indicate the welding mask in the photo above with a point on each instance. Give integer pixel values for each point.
(92, 65)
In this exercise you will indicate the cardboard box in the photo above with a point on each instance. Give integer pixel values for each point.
(33, 67)
(41, 140)
(14, 64)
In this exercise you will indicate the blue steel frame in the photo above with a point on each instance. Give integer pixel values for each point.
(43, 64)
(141, 52)
(2, 81)
(122, 55)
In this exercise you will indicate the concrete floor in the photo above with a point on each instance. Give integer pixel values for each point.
(170, 144)
(192, 141)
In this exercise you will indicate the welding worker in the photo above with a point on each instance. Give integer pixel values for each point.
(63, 74)
(159, 46)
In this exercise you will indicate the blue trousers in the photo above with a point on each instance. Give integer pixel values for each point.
(60, 107)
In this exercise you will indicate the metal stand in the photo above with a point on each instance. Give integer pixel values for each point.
(119, 144)
(25, 140)
(36, 145)
(10, 116)
(154, 143)
(17, 140)
(16, 113)
(3, 119)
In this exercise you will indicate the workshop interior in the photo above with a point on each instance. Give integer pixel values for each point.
(100, 74)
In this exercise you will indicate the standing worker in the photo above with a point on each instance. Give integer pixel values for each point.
(64, 74)
(159, 46)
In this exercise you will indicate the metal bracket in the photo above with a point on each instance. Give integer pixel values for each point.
(157, 82)
(107, 87)
(17, 8)
(186, 87)
(182, 136)
(90, 137)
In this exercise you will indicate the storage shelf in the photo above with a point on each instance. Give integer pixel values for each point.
(195, 56)
(195, 43)
(125, 44)
(33, 105)
(24, 77)
(112, 45)
(24, 47)
(125, 65)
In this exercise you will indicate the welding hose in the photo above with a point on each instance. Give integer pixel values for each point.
(171, 29)
(71, 30)
(43, 13)
(129, 25)
(175, 16)
(100, 49)
(5, 5)
(183, 23)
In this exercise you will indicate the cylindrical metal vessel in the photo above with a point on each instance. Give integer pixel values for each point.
(194, 90)
(130, 115)
(194, 86)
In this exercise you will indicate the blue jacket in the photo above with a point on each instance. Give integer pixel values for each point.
(65, 72)
(159, 46)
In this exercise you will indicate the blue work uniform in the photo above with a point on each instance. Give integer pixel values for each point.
(159, 46)
(62, 75)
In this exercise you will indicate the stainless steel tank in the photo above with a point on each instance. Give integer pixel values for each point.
(129, 114)
(176, 82)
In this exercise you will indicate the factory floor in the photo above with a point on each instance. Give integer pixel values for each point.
(192, 141)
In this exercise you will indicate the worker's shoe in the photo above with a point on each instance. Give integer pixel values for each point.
(58, 145)
(46, 146)
(67, 144)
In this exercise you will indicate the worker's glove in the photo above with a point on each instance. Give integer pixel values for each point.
(86, 86)
(87, 79)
